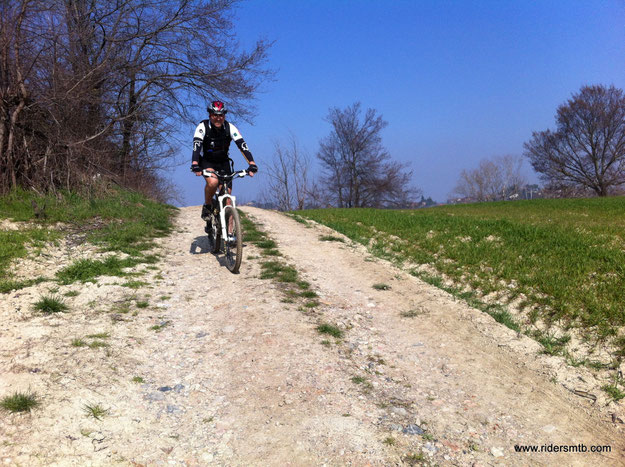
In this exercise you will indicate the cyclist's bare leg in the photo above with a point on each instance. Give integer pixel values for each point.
(210, 188)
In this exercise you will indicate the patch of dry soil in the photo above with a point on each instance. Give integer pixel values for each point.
(232, 375)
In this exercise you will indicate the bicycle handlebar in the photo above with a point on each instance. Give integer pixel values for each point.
(223, 176)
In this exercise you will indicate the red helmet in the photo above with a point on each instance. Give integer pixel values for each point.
(217, 108)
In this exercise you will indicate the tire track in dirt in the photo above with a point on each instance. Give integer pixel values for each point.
(470, 389)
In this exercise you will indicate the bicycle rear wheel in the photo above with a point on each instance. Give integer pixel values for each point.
(233, 245)
(214, 234)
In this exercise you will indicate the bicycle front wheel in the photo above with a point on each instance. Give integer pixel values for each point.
(233, 245)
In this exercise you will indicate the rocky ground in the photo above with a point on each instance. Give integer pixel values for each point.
(202, 367)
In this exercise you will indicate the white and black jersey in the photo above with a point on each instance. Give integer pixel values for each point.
(214, 143)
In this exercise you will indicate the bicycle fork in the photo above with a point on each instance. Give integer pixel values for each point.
(222, 213)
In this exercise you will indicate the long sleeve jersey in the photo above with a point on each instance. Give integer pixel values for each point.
(214, 143)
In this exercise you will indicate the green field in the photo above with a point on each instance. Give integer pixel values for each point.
(563, 259)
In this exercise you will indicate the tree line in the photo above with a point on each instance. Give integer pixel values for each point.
(356, 169)
(97, 88)
(583, 156)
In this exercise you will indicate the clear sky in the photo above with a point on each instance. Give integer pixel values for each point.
(457, 81)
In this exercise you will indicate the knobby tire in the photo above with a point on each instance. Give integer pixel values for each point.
(214, 236)
(233, 249)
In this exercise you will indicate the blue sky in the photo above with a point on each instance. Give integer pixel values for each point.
(457, 81)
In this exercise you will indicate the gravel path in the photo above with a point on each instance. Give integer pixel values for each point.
(226, 373)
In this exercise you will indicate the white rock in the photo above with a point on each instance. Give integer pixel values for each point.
(497, 452)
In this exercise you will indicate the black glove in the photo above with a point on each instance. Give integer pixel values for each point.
(252, 168)
(196, 168)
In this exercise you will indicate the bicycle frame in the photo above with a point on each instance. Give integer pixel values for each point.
(222, 198)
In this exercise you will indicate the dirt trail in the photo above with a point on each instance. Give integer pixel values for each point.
(234, 376)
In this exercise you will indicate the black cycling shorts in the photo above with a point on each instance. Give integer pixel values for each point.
(218, 167)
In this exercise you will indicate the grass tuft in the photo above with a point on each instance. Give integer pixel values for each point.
(95, 410)
(413, 313)
(390, 441)
(381, 286)
(331, 238)
(330, 329)
(100, 335)
(159, 327)
(50, 304)
(614, 392)
(19, 402)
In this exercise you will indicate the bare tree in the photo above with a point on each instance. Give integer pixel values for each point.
(288, 186)
(493, 179)
(587, 149)
(358, 171)
(100, 86)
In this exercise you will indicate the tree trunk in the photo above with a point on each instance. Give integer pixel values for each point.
(11, 142)
(128, 126)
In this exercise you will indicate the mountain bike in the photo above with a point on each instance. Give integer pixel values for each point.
(223, 225)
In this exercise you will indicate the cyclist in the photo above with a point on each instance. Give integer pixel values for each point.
(212, 137)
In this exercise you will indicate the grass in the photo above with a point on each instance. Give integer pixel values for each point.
(410, 313)
(50, 304)
(552, 345)
(100, 335)
(562, 259)
(331, 238)
(85, 270)
(160, 327)
(71, 293)
(358, 380)
(614, 392)
(138, 380)
(134, 284)
(15, 244)
(390, 441)
(78, 342)
(330, 329)
(279, 271)
(97, 344)
(96, 411)
(7, 285)
(119, 220)
(19, 402)
(266, 244)
(613, 389)
(414, 458)
(381, 286)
